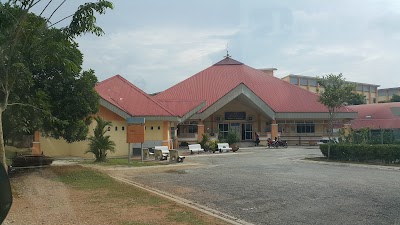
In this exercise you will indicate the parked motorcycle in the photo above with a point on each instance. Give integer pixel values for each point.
(277, 143)
(272, 143)
(282, 144)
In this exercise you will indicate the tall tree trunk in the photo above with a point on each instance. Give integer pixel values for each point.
(2, 148)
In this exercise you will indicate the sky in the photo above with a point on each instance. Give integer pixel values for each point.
(156, 44)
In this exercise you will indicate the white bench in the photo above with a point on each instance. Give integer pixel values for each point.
(161, 152)
(195, 148)
(175, 157)
(224, 147)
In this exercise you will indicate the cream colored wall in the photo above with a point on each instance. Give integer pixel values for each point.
(313, 89)
(155, 134)
(54, 147)
(60, 148)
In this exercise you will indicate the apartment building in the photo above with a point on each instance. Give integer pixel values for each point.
(370, 91)
(385, 94)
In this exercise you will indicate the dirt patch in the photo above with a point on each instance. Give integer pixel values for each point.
(40, 198)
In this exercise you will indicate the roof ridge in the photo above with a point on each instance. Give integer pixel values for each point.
(144, 93)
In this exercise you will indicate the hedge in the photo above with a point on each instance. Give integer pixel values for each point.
(363, 152)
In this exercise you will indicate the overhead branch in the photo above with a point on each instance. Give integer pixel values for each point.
(44, 9)
(48, 19)
(61, 20)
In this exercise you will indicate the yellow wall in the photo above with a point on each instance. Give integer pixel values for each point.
(60, 148)
(155, 134)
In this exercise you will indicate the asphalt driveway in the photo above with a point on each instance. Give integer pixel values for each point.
(273, 186)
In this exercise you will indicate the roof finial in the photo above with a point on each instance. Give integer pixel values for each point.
(227, 52)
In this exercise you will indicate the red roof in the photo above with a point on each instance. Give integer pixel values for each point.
(377, 116)
(130, 98)
(180, 107)
(214, 82)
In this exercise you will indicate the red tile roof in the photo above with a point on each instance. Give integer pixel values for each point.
(180, 107)
(377, 116)
(130, 98)
(216, 81)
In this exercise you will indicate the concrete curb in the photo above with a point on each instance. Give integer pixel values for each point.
(350, 164)
(182, 201)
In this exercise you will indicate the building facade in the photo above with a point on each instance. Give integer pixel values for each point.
(228, 95)
(386, 94)
(370, 91)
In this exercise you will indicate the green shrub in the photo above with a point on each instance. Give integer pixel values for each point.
(388, 153)
(203, 142)
(213, 144)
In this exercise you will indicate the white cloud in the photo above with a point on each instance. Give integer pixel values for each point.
(157, 56)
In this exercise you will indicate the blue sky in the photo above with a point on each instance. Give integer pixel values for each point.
(156, 44)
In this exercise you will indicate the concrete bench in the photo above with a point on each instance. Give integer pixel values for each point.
(175, 157)
(224, 147)
(195, 148)
(161, 152)
(147, 154)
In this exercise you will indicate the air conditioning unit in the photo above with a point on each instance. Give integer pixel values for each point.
(250, 118)
(218, 118)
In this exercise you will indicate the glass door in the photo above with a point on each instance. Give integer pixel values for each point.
(247, 131)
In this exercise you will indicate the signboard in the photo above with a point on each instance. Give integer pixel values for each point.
(235, 115)
(135, 133)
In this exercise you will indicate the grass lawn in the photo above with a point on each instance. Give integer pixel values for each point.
(80, 195)
(124, 162)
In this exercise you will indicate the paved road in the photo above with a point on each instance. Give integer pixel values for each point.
(272, 186)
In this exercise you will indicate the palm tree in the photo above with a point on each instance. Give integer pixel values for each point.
(100, 143)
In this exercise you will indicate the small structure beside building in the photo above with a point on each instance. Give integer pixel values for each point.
(378, 117)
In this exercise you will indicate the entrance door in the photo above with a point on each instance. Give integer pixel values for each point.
(236, 128)
(247, 131)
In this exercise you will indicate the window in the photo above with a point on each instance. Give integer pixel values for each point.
(373, 89)
(392, 92)
(381, 93)
(151, 128)
(367, 88)
(122, 128)
(293, 80)
(193, 127)
(223, 129)
(303, 82)
(359, 87)
(158, 127)
(116, 128)
(313, 83)
(307, 127)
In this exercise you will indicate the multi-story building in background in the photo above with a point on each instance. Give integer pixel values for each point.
(385, 94)
(370, 91)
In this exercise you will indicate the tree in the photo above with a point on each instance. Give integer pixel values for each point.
(100, 143)
(42, 85)
(356, 99)
(336, 93)
(395, 98)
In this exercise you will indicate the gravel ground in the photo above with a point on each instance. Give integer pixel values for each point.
(273, 186)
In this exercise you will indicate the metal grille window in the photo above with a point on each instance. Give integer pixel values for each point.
(307, 127)
(303, 82)
(223, 129)
(293, 80)
(193, 127)
(313, 83)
